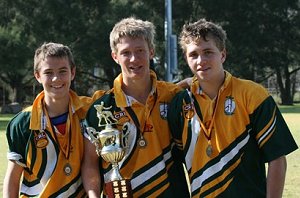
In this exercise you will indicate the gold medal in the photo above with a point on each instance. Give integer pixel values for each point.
(209, 150)
(142, 142)
(68, 169)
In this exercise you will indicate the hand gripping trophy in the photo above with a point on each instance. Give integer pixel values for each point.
(109, 146)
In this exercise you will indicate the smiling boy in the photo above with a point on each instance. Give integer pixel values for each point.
(139, 102)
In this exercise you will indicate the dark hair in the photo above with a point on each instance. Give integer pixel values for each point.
(202, 29)
(52, 50)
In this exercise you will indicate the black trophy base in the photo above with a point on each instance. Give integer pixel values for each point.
(119, 189)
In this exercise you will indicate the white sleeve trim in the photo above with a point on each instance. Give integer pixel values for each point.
(15, 157)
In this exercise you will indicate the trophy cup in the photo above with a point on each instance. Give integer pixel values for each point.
(109, 146)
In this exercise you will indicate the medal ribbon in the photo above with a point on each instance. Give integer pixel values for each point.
(135, 119)
(207, 131)
(65, 146)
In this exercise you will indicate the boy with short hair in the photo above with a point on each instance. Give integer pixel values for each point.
(227, 128)
(45, 140)
(139, 103)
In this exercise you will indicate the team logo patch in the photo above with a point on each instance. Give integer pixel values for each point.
(41, 140)
(163, 108)
(229, 105)
(121, 117)
(188, 110)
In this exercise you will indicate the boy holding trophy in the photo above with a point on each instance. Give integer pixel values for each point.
(129, 148)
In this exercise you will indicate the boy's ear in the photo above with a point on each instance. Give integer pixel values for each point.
(223, 58)
(152, 52)
(37, 76)
(73, 72)
(114, 56)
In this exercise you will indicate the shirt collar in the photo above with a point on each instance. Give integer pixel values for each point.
(123, 100)
(196, 87)
(38, 120)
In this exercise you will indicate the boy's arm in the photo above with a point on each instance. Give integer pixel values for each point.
(276, 177)
(12, 178)
(90, 172)
(185, 83)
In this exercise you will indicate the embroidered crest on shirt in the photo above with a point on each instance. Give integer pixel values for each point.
(188, 110)
(121, 117)
(163, 108)
(229, 105)
(41, 140)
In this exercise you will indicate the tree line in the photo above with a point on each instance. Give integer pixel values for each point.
(263, 38)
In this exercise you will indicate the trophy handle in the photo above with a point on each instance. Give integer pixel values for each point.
(91, 131)
(126, 127)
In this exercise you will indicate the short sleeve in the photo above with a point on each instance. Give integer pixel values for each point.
(17, 134)
(271, 131)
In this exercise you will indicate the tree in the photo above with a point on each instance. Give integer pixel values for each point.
(280, 28)
(15, 51)
(261, 36)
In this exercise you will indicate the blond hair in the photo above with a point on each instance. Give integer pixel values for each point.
(132, 27)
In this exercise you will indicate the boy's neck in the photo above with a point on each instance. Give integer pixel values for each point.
(139, 90)
(212, 89)
(55, 108)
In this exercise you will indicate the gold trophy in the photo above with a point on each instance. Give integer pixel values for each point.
(109, 146)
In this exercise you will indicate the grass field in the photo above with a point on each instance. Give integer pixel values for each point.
(290, 113)
(3, 148)
(292, 116)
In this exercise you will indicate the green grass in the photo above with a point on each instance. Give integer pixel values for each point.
(292, 116)
(290, 113)
(3, 159)
(4, 118)
(290, 109)
(292, 181)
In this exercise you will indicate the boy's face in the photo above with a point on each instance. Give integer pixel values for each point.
(133, 56)
(55, 75)
(205, 60)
